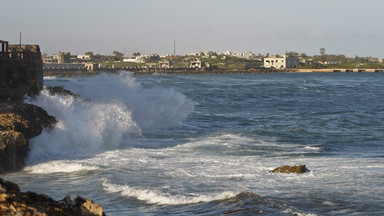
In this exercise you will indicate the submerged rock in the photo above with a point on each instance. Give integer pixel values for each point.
(291, 169)
(14, 202)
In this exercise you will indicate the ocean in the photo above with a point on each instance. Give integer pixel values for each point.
(204, 144)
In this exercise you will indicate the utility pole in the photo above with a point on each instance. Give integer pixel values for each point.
(174, 47)
(20, 39)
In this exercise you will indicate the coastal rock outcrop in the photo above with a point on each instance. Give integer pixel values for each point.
(299, 169)
(19, 122)
(61, 91)
(14, 202)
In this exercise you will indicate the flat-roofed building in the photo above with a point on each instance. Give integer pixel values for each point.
(280, 62)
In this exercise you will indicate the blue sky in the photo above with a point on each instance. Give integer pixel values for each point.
(350, 27)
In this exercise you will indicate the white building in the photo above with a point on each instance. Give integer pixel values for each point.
(280, 62)
(84, 57)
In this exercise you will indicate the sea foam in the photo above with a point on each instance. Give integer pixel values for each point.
(111, 111)
(160, 198)
(59, 167)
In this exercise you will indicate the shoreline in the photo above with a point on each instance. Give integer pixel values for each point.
(69, 73)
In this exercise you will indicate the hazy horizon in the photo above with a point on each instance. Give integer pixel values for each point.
(349, 27)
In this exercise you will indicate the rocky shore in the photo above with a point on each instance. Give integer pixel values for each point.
(21, 74)
(19, 122)
(14, 202)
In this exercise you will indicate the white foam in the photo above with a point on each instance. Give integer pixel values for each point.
(159, 198)
(116, 109)
(292, 212)
(312, 148)
(83, 128)
(50, 77)
(58, 167)
(152, 108)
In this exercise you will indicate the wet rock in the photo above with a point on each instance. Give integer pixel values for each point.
(14, 202)
(291, 169)
(61, 91)
(19, 122)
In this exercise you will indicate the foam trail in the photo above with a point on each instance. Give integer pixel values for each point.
(59, 167)
(116, 109)
(153, 197)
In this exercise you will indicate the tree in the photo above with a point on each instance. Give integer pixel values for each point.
(136, 54)
(322, 53)
(118, 55)
(293, 54)
(89, 53)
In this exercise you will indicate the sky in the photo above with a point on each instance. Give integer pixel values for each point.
(349, 27)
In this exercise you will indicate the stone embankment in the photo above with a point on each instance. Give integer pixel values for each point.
(14, 202)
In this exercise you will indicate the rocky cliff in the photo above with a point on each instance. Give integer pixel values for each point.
(19, 122)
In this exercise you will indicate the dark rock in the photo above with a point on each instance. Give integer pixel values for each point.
(14, 202)
(61, 91)
(291, 169)
(19, 122)
(10, 187)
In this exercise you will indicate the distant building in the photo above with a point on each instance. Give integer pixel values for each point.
(91, 66)
(63, 66)
(280, 62)
(150, 65)
(133, 60)
(197, 63)
(84, 57)
(165, 64)
(237, 54)
(64, 57)
(331, 62)
(143, 58)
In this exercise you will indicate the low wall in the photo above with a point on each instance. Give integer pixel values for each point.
(344, 70)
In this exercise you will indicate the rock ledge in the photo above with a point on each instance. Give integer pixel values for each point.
(14, 202)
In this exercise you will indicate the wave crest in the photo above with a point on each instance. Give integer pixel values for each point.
(115, 109)
(159, 198)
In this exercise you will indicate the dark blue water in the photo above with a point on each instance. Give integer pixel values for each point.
(204, 144)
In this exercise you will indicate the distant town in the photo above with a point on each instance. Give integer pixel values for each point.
(211, 60)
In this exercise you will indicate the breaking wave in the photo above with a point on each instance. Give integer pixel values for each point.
(59, 167)
(112, 110)
(160, 198)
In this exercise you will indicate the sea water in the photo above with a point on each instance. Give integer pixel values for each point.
(204, 144)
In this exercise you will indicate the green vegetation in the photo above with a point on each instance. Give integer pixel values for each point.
(213, 60)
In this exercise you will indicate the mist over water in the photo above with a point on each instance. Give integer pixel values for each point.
(204, 144)
(112, 111)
